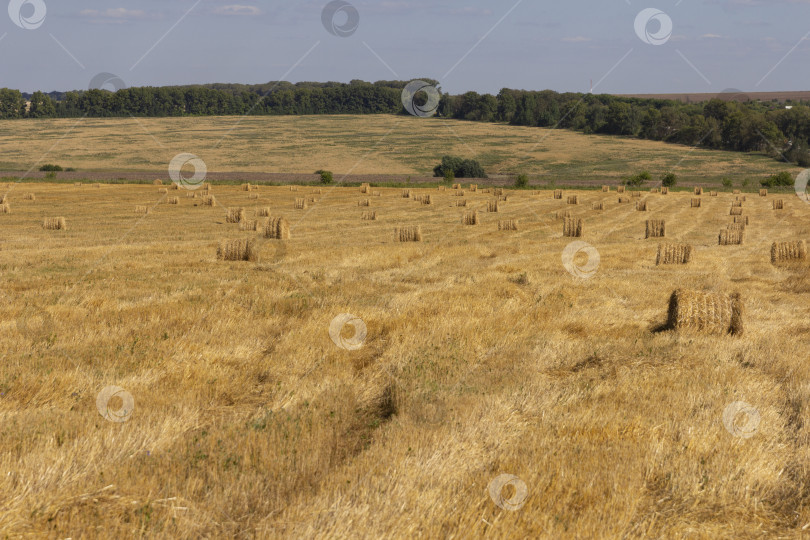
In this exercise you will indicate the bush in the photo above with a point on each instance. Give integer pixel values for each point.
(449, 176)
(638, 179)
(326, 176)
(461, 168)
(521, 181)
(50, 175)
(727, 183)
(50, 168)
(669, 180)
(783, 178)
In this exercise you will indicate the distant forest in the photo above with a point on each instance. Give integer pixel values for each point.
(751, 126)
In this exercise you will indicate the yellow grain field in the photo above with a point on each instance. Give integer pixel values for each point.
(348, 385)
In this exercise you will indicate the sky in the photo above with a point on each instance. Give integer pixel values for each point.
(623, 46)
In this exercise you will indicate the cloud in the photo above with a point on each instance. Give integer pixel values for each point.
(711, 36)
(113, 15)
(237, 9)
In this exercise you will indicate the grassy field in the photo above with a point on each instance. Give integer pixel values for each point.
(380, 144)
(483, 356)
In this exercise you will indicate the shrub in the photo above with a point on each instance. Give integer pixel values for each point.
(669, 180)
(326, 176)
(783, 178)
(727, 182)
(461, 168)
(51, 168)
(638, 179)
(521, 181)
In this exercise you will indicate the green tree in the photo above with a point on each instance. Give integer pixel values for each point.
(727, 183)
(521, 181)
(669, 180)
(326, 176)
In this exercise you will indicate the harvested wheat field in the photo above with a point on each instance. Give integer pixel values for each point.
(340, 383)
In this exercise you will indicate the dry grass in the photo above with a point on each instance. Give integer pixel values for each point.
(208, 200)
(621, 189)
(713, 194)
(698, 191)
(635, 194)
(656, 228)
(470, 218)
(30, 197)
(664, 191)
(492, 206)
(740, 198)
(157, 182)
(778, 204)
(459, 193)
(763, 192)
(736, 192)
(250, 422)
(598, 206)
(300, 204)
(709, 312)
(460, 203)
(406, 193)
(278, 229)
(624, 200)
(731, 237)
(173, 200)
(473, 188)
(427, 199)
(735, 211)
(410, 233)
(243, 249)
(696, 203)
(572, 227)
(573, 199)
(605, 189)
(789, 251)
(364, 202)
(5, 208)
(140, 209)
(163, 191)
(370, 216)
(235, 215)
(558, 194)
(641, 206)
(54, 224)
(508, 225)
(674, 254)
(736, 204)
(263, 212)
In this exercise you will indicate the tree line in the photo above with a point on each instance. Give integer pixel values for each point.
(750, 126)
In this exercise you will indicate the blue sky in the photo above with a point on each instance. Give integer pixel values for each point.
(753, 45)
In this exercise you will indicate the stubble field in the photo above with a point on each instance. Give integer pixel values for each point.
(381, 145)
(482, 356)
